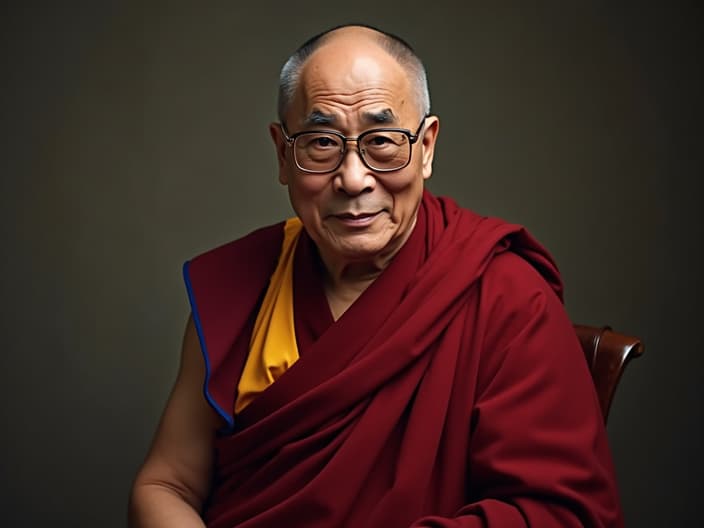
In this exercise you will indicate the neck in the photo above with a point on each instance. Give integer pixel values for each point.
(345, 282)
(347, 278)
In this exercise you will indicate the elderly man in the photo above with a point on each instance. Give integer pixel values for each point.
(384, 359)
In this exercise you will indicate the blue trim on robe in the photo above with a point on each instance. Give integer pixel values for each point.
(201, 337)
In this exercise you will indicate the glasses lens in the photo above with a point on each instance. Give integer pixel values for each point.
(381, 150)
(318, 151)
(385, 150)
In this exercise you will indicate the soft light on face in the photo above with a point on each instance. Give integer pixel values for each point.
(355, 214)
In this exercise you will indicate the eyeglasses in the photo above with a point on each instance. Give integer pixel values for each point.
(381, 149)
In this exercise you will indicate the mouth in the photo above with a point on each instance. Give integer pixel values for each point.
(357, 219)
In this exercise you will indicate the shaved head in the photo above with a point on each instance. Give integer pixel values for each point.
(399, 49)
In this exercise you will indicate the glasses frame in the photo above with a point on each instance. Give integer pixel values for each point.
(412, 139)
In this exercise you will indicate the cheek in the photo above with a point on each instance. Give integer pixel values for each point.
(306, 197)
(406, 194)
(308, 185)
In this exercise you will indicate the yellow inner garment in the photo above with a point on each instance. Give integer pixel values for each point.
(272, 349)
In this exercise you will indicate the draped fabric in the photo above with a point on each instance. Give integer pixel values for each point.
(453, 392)
(273, 348)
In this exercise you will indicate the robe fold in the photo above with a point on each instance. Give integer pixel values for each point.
(452, 393)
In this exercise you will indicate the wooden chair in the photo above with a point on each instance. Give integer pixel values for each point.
(607, 354)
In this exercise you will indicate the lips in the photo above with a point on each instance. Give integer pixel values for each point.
(355, 216)
(356, 219)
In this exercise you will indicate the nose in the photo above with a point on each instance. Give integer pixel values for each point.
(353, 177)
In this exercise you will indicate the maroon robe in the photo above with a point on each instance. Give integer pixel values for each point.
(453, 392)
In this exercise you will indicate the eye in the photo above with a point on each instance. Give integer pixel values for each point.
(324, 141)
(384, 140)
(318, 141)
(378, 140)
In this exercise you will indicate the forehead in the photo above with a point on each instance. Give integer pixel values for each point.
(349, 80)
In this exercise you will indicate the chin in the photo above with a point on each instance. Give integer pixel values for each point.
(361, 249)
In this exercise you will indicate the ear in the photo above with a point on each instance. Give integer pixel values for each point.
(430, 135)
(280, 144)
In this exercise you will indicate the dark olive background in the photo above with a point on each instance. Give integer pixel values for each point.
(135, 137)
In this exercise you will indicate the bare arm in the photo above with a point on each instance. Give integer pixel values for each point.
(174, 480)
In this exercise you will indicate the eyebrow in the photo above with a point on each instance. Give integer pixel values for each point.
(318, 118)
(383, 117)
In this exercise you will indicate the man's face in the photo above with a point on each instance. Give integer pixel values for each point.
(354, 213)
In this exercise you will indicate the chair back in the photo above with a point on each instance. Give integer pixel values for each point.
(607, 354)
